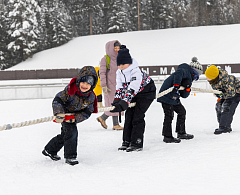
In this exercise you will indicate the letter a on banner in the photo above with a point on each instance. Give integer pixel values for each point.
(172, 70)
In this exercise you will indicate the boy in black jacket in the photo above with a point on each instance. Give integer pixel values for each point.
(133, 85)
(184, 76)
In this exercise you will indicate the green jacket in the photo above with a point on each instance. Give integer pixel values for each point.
(228, 84)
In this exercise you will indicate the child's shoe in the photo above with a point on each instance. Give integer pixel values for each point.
(53, 157)
(117, 127)
(71, 161)
(171, 140)
(222, 130)
(185, 136)
(124, 146)
(100, 120)
(134, 148)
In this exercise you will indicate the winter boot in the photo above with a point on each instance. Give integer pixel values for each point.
(124, 146)
(185, 136)
(222, 130)
(171, 140)
(134, 148)
(54, 157)
(71, 161)
(117, 127)
(100, 120)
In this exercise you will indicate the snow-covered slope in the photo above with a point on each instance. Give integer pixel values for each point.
(211, 44)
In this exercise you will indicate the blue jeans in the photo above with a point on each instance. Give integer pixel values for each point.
(67, 138)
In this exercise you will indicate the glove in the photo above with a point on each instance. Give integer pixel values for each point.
(186, 84)
(120, 106)
(105, 90)
(116, 101)
(69, 118)
(175, 88)
(59, 118)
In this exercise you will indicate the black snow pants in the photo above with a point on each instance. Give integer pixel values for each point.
(67, 138)
(225, 110)
(134, 125)
(169, 114)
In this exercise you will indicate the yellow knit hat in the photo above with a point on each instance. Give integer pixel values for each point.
(212, 72)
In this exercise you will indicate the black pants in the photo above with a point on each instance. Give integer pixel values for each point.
(134, 125)
(67, 138)
(225, 110)
(169, 114)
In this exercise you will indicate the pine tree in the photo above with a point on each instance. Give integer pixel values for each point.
(24, 28)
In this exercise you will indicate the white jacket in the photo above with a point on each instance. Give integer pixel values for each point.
(130, 82)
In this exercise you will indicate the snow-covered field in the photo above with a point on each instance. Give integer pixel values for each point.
(208, 164)
(211, 44)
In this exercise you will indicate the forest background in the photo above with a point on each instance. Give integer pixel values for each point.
(31, 26)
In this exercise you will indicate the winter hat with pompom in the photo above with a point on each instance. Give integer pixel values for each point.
(123, 56)
(212, 72)
(196, 65)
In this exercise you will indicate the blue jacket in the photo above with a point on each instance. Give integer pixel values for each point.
(184, 71)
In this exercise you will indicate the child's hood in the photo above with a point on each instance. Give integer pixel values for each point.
(110, 49)
(222, 73)
(87, 71)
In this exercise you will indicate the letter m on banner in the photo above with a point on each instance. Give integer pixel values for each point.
(163, 70)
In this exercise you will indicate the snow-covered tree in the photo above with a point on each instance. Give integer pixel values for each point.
(24, 27)
(117, 18)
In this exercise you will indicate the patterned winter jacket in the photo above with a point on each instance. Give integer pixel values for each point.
(184, 71)
(228, 84)
(132, 82)
(72, 100)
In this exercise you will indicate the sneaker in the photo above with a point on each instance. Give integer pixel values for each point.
(171, 140)
(71, 161)
(185, 136)
(100, 120)
(52, 156)
(124, 146)
(133, 148)
(222, 130)
(117, 127)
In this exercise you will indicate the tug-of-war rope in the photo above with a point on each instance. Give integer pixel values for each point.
(51, 118)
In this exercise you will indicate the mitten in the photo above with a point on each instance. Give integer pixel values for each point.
(175, 88)
(69, 118)
(186, 84)
(120, 106)
(105, 90)
(59, 118)
(116, 101)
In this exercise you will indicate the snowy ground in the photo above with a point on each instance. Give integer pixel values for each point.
(211, 44)
(208, 164)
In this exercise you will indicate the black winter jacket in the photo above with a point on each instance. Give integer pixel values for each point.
(184, 71)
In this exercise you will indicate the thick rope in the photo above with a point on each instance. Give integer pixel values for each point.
(51, 118)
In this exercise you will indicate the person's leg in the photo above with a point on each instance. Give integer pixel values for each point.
(167, 124)
(116, 125)
(180, 125)
(102, 120)
(70, 140)
(138, 123)
(168, 117)
(227, 111)
(55, 144)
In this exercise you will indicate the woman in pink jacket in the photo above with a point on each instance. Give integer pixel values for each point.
(108, 82)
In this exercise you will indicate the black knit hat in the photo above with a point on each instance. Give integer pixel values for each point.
(123, 56)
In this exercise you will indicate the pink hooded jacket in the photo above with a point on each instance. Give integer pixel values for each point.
(108, 77)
